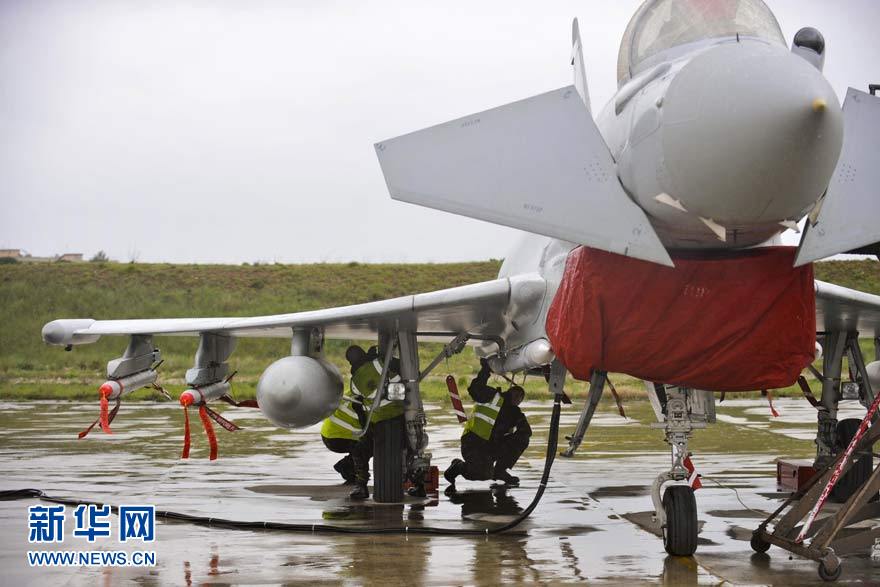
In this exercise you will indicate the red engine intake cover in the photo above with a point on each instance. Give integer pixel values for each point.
(737, 323)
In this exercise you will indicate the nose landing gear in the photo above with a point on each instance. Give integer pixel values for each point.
(680, 411)
(680, 532)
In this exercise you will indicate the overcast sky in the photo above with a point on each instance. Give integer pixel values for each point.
(232, 131)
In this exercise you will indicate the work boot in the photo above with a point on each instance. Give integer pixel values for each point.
(345, 468)
(417, 490)
(360, 491)
(508, 479)
(453, 471)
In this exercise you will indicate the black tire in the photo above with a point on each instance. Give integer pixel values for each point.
(758, 544)
(388, 450)
(858, 475)
(680, 534)
(826, 576)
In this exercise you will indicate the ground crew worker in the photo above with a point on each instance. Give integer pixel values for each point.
(366, 371)
(495, 435)
(339, 431)
(365, 381)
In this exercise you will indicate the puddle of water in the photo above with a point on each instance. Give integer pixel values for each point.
(578, 532)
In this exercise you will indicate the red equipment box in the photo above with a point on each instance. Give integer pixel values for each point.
(793, 475)
(432, 483)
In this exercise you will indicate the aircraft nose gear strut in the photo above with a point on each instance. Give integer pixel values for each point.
(676, 509)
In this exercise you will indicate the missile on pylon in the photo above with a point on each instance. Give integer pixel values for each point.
(117, 388)
(199, 396)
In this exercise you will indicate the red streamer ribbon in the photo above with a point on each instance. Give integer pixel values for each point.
(246, 403)
(693, 476)
(105, 412)
(112, 415)
(769, 395)
(209, 430)
(229, 426)
(808, 393)
(186, 436)
(616, 397)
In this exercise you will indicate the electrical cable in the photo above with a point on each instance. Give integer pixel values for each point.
(552, 441)
(736, 493)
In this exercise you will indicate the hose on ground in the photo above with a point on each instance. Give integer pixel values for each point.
(552, 441)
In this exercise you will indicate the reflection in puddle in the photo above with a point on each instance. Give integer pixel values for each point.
(579, 532)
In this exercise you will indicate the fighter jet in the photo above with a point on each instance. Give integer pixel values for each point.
(652, 245)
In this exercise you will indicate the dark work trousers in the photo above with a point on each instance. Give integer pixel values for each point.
(484, 459)
(359, 454)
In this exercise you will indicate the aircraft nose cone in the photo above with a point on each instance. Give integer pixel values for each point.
(751, 134)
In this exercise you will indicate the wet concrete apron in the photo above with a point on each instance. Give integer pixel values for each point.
(593, 523)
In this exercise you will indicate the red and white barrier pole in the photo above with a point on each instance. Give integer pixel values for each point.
(457, 406)
(838, 470)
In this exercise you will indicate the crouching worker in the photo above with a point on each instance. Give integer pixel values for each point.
(495, 435)
(339, 431)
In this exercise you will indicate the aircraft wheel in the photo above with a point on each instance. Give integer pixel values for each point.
(388, 450)
(858, 475)
(825, 575)
(758, 544)
(680, 534)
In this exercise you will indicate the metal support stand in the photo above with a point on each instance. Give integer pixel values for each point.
(825, 546)
(597, 386)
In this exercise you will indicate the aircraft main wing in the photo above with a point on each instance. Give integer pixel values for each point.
(478, 308)
(843, 309)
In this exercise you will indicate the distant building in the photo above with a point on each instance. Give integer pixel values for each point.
(25, 257)
(11, 254)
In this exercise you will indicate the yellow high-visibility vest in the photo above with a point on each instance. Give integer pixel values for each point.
(365, 382)
(482, 418)
(343, 423)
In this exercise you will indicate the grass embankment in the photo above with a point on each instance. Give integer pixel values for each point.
(31, 295)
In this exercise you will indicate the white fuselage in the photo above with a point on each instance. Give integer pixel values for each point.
(741, 132)
(725, 127)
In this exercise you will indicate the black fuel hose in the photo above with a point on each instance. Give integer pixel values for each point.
(552, 440)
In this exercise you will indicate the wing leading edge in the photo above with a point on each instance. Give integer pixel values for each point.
(476, 308)
(847, 310)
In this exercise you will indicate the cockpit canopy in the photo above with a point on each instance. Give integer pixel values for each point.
(659, 25)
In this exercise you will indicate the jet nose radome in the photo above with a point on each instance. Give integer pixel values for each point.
(751, 134)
